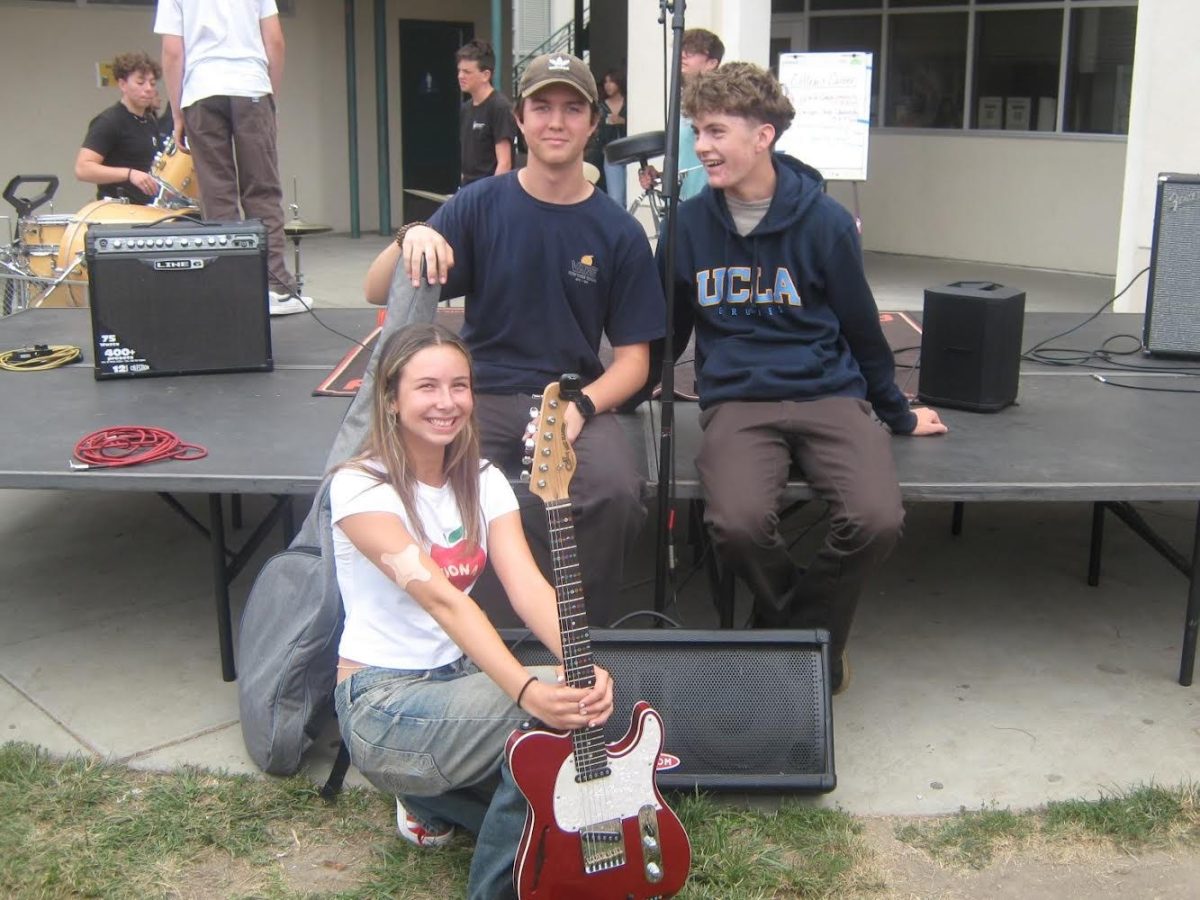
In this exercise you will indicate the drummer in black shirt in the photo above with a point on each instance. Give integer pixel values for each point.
(121, 142)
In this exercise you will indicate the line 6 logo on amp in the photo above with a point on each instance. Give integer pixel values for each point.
(173, 264)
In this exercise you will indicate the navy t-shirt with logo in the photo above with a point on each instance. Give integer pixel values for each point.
(544, 281)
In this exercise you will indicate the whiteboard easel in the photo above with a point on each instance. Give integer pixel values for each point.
(831, 93)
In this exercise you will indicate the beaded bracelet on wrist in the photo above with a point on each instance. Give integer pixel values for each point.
(403, 230)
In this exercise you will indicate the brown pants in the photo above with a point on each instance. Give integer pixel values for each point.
(606, 501)
(232, 140)
(745, 454)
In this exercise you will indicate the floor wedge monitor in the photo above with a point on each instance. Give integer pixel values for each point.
(1172, 323)
(743, 710)
(178, 298)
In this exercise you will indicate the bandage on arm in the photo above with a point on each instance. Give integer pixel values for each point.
(406, 566)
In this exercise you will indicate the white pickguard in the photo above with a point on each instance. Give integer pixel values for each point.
(619, 795)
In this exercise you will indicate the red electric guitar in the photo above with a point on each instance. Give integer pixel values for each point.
(597, 827)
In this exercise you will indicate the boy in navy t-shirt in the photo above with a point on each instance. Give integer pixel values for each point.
(549, 266)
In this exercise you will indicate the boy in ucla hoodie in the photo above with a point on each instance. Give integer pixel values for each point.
(791, 363)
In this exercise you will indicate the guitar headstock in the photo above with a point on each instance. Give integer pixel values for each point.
(550, 459)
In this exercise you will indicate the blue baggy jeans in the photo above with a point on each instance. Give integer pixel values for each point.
(436, 740)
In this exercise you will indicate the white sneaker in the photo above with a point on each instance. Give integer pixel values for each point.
(280, 303)
(416, 832)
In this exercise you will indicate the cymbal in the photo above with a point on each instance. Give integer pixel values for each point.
(428, 195)
(299, 228)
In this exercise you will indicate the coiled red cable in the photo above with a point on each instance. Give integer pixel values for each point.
(129, 445)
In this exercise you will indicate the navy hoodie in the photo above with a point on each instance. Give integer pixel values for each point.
(784, 313)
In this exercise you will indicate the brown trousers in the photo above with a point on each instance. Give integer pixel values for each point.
(232, 140)
(606, 501)
(745, 454)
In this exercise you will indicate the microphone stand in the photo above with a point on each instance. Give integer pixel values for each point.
(666, 451)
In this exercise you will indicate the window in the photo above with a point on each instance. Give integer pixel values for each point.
(1016, 70)
(1100, 72)
(830, 34)
(926, 70)
(979, 64)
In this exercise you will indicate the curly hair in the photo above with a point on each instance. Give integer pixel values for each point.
(128, 63)
(740, 89)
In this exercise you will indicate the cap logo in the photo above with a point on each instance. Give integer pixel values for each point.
(558, 64)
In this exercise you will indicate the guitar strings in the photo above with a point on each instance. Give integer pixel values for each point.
(594, 793)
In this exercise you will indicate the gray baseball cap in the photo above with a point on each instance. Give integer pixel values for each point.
(558, 68)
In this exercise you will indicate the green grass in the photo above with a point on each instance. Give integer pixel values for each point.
(1138, 819)
(970, 838)
(798, 851)
(76, 827)
(1145, 816)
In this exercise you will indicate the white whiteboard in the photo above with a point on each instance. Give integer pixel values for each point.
(832, 96)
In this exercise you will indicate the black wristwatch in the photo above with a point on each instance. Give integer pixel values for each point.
(584, 404)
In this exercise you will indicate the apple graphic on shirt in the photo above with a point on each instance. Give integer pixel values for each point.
(460, 563)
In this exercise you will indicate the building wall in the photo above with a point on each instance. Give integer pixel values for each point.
(1052, 203)
(54, 49)
(1049, 203)
(1163, 132)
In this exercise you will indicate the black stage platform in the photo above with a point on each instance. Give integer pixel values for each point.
(1070, 438)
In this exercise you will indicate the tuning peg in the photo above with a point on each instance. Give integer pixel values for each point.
(524, 478)
(527, 460)
(528, 444)
(537, 397)
(534, 412)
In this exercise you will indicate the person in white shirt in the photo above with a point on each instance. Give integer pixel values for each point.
(223, 63)
(427, 692)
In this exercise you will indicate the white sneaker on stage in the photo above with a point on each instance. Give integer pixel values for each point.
(280, 303)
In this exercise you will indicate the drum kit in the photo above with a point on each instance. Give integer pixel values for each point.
(43, 264)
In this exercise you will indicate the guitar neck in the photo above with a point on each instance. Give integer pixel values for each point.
(591, 758)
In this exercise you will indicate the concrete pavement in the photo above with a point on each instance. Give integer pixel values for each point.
(985, 669)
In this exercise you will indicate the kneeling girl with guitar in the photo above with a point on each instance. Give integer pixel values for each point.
(427, 691)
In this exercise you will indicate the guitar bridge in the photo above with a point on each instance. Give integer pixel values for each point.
(603, 846)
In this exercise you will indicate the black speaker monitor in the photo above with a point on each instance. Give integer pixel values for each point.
(971, 345)
(178, 298)
(743, 710)
(1172, 323)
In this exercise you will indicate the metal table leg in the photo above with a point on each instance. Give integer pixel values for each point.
(221, 579)
(1187, 662)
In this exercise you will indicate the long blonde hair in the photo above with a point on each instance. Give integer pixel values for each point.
(385, 439)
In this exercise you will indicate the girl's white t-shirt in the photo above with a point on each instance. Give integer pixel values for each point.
(385, 626)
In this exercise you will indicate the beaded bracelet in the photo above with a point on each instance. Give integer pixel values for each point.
(403, 230)
(531, 680)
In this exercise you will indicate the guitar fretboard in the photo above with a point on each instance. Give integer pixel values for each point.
(591, 757)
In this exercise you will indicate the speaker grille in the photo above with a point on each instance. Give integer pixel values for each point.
(1173, 298)
(180, 298)
(742, 710)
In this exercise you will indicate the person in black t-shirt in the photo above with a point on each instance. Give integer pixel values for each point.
(120, 143)
(486, 125)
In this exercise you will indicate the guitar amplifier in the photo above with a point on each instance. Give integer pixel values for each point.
(1172, 323)
(743, 710)
(178, 298)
